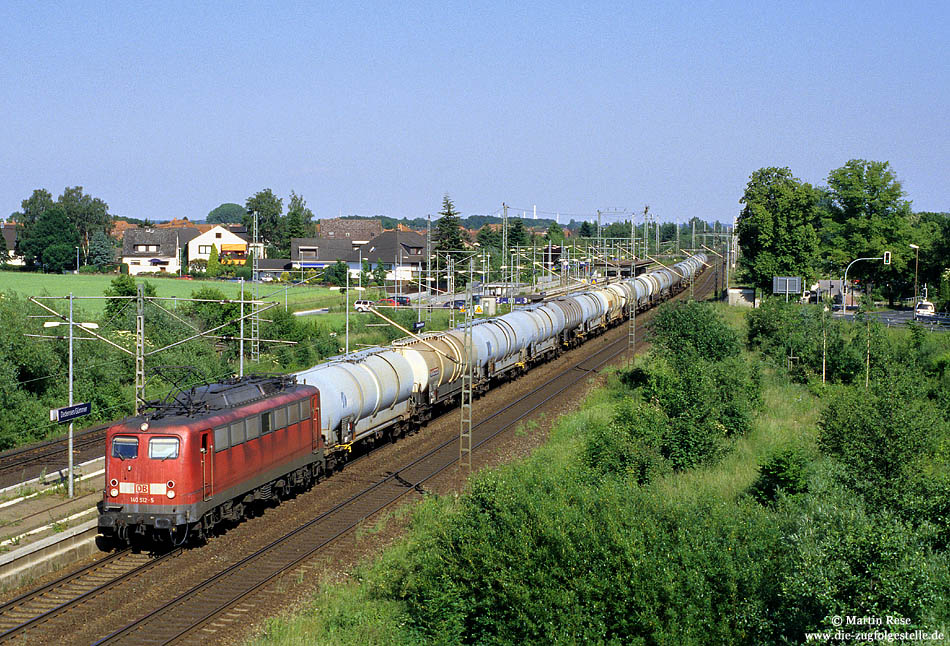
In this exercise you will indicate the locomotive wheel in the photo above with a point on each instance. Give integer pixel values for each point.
(106, 543)
(198, 536)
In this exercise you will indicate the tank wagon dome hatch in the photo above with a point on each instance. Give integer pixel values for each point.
(223, 395)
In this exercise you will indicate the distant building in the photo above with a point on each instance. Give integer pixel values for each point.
(156, 250)
(11, 232)
(402, 253)
(357, 231)
(230, 241)
(318, 253)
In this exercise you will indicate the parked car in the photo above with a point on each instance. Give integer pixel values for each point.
(362, 306)
(387, 302)
(924, 309)
(457, 304)
(402, 300)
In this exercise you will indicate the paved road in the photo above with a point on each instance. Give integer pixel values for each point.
(900, 318)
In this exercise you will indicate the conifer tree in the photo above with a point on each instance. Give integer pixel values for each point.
(214, 265)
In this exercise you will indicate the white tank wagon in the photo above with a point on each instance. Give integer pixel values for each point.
(387, 391)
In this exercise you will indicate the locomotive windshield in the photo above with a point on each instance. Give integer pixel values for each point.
(125, 448)
(163, 448)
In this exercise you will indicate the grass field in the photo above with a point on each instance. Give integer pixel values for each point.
(85, 285)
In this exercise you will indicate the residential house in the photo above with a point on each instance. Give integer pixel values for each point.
(231, 242)
(358, 231)
(319, 253)
(402, 253)
(10, 234)
(156, 250)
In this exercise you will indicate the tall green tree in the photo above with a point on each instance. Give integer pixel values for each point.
(379, 274)
(868, 215)
(214, 268)
(448, 227)
(932, 234)
(30, 211)
(488, 237)
(587, 230)
(118, 291)
(776, 226)
(88, 214)
(52, 228)
(518, 233)
(297, 223)
(269, 208)
(4, 252)
(226, 213)
(101, 249)
(555, 235)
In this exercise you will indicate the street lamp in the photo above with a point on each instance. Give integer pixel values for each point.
(77, 258)
(88, 326)
(916, 249)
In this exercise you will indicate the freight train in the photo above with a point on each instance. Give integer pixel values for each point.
(213, 453)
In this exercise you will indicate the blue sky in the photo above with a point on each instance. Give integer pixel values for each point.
(168, 109)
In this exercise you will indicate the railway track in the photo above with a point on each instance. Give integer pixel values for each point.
(18, 465)
(231, 591)
(229, 595)
(42, 604)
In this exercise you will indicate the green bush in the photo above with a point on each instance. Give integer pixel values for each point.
(881, 434)
(630, 446)
(807, 333)
(844, 559)
(785, 471)
(535, 556)
(685, 330)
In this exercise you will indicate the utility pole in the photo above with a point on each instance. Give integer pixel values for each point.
(241, 343)
(450, 288)
(632, 329)
(139, 347)
(256, 318)
(428, 270)
(69, 448)
(504, 242)
(468, 378)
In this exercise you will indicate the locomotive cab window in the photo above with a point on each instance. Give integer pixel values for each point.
(125, 448)
(163, 448)
(267, 423)
(305, 409)
(280, 418)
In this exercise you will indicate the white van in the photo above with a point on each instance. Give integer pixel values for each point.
(362, 306)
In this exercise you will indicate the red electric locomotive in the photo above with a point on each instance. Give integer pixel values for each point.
(204, 455)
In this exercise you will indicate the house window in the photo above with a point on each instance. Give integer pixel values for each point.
(204, 248)
(135, 262)
(217, 234)
(146, 248)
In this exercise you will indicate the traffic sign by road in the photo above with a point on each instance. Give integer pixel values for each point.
(69, 413)
(418, 325)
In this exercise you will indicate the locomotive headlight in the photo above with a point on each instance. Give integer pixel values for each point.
(170, 493)
(113, 483)
(113, 492)
(171, 484)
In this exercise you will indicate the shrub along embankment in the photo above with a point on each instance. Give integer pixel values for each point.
(704, 497)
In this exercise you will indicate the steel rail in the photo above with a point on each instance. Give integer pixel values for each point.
(35, 597)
